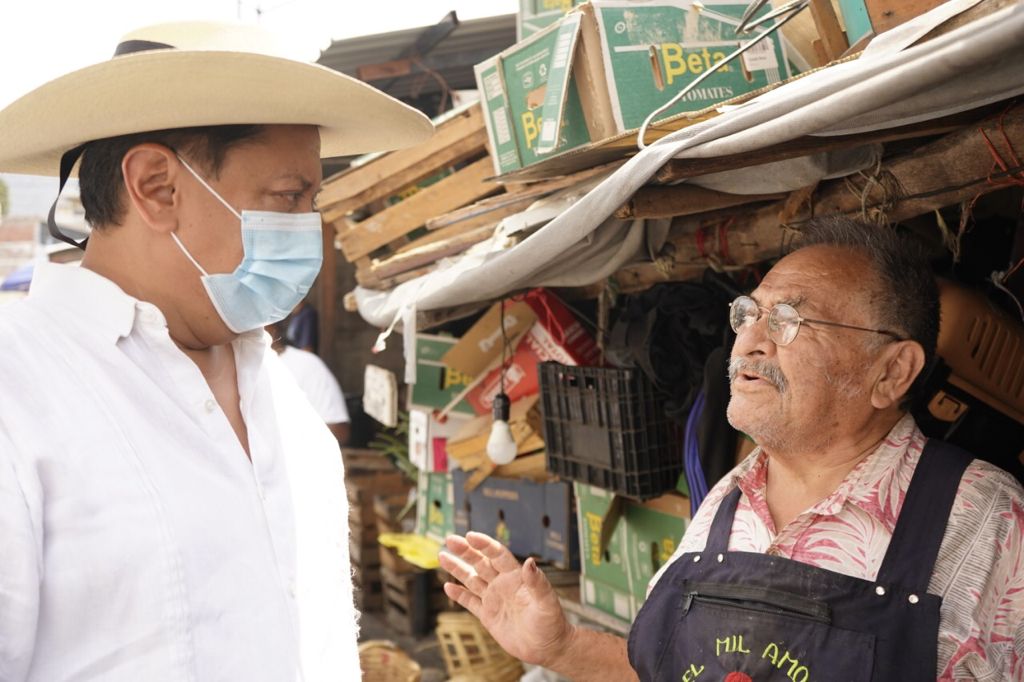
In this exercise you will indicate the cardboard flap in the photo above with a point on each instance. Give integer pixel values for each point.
(559, 71)
(481, 345)
(610, 520)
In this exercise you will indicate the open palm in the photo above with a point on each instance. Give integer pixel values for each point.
(514, 601)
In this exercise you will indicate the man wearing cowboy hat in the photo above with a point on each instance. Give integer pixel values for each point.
(171, 508)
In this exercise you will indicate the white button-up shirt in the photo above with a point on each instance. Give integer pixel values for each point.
(137, 541)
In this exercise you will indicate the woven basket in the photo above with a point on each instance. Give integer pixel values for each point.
(472, 655)
(383, 661)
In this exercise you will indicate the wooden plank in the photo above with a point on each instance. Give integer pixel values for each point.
(520, 195)
(675, 200)
(431, 154)
(457, 152)
(447, 233)
(480, 213)
(886, 14)
(833, 39)
(365, 279)
(431, 253)
(469, 184)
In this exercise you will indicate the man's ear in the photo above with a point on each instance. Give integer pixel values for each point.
(901, 363)
(150, 175)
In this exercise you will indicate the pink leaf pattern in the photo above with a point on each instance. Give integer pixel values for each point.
(979, 572)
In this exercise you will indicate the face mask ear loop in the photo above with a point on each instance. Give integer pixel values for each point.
(188, 255)
(208, 188)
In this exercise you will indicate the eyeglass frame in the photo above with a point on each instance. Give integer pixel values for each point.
(800, 319)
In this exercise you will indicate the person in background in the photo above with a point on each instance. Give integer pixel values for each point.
(303, 330)
(316, 380)
(847, 545)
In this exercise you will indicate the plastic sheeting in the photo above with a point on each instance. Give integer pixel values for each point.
(889, 86)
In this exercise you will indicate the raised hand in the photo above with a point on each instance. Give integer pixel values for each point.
(514, 601)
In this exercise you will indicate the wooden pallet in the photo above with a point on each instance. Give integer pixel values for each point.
(364, 554)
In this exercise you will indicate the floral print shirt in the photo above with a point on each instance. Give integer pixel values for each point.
(979, 572)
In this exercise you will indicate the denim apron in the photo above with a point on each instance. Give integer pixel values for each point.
(728, 616)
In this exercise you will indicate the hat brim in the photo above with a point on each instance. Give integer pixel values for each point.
(163, 89)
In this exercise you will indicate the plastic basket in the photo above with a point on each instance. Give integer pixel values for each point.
(607, 427)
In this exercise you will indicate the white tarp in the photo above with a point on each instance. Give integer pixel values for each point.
(887, 87)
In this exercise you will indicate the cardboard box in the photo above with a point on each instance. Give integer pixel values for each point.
(556, 335)
(428, 438)
(608, 599)
(607, 565)
(644, 538)
(515, 86)
(436, 385)
(434, 506)
(480, 348)
(530, 518)
(536, 15)
(652, 50)
(601, 69)
(653, 532)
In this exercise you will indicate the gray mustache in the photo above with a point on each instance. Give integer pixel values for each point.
(768, 371)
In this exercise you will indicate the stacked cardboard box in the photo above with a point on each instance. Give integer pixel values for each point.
(622, 546)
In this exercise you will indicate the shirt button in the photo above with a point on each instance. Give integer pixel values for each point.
(210, 405)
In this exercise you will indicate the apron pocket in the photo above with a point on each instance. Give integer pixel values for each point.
(763, 635)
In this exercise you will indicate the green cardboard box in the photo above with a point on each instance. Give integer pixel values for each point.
(653, 533)
(601, 69)
(437, 385)
(531, 102)
(611, 600)
(609, 567)
(652, 50)
(434, 506)
(536, 15)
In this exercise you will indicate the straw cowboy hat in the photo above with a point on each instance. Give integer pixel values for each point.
(198, 74)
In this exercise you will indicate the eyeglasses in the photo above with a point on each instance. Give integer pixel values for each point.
(783, 320)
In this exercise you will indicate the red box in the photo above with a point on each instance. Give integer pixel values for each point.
(557, 335)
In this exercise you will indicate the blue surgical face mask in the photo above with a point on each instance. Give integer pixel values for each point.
(282, 256)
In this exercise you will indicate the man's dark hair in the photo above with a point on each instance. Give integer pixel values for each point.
(906, 297)
(100, 180)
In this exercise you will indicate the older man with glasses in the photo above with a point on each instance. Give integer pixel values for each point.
(847, 546)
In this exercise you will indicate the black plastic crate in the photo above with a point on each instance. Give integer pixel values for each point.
(607, 427)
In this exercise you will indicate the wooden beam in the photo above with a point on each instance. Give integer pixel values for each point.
(833, 40)
(467, 185)
(391, 172)
(485, 212)
(676, 200)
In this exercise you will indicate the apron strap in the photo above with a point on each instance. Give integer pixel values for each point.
(721, 527)
(921, 525)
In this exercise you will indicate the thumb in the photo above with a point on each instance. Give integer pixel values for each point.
(535, 580)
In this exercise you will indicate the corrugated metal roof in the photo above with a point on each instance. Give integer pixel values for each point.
(451, 60)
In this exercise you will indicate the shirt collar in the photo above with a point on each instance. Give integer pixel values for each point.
(106, 308)
(82, 293)
(880, 472)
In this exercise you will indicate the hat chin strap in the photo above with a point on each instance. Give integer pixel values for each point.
(67, 163)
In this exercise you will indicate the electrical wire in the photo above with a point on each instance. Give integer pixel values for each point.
(796, 9)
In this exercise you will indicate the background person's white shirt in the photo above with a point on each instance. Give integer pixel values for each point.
(318, 383)
(137, 541)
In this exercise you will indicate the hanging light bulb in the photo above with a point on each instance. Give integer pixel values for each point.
(501, 446)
